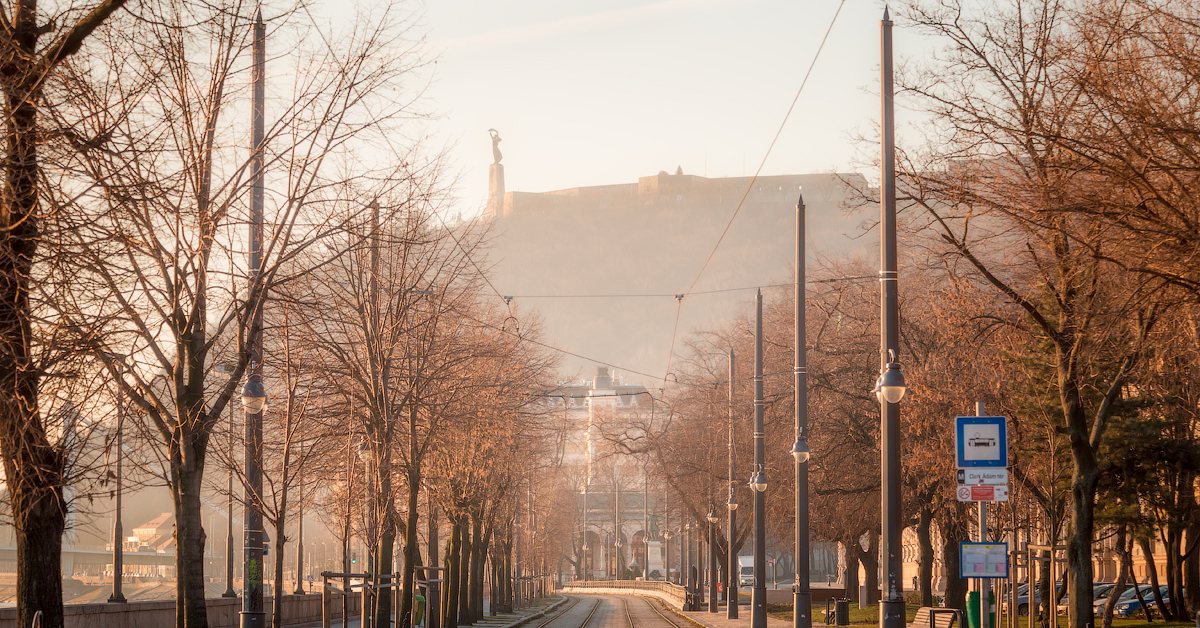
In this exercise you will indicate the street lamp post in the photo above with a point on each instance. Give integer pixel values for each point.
(229, 592)
(890, 386)
(713, 602)
(732, 568)
(687, 564)
(118, 553)
(254, 395)
(802, 593)
(368, 602)
(758, 482)
(667, 536)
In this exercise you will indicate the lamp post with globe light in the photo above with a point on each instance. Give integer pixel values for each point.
(713, 602)
(758, 482)
(732, 567)
(890, 386)
(802, 593)
(667, 536)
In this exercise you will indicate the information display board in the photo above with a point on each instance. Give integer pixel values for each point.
(982, 560)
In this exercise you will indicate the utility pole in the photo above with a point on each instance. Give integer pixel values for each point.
(758, 600)
(890, 386)
(733, 569)
(802, 593)
(254, 394)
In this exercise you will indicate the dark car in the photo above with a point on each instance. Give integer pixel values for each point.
(1131, 605)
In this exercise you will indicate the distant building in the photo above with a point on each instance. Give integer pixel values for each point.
(621, 243)
(675, 190)
(618, 511)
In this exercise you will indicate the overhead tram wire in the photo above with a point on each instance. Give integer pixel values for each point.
(674, 332)
(677, 295)
(763, 163)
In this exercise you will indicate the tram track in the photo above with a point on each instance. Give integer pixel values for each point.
(574, 602)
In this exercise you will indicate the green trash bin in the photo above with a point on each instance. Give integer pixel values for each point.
(973, 610)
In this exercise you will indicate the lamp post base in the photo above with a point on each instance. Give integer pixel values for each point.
(891, 614)
(758, 607)
(229, 593)
(116, 598)
(254, 619)
(801, 608)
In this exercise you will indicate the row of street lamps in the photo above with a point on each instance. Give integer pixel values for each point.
(889, 390)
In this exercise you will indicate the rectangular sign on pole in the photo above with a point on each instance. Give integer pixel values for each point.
(982, 560)
(983, 493)
(985, 475)
(981, 442)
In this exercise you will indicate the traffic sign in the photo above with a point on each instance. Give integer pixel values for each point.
(972, 477)
(983, 493)
(981, 442)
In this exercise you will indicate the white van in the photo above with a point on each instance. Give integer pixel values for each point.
(746, 575)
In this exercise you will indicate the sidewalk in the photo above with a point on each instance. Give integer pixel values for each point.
(503, 620)
(720, 619)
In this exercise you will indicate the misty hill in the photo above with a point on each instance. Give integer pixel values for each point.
(555, 249)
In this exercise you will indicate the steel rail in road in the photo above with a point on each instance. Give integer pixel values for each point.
(599, 600)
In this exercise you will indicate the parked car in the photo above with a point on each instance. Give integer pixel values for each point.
(1133, 606)
(1099, 591)
(1125, 596)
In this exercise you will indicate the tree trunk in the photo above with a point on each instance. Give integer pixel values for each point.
(1084, 480)
(186, 481)
(480, 540)
(870, 563)
(463, 571)
(1152, 571)
(34, 468)
(39, 517)
(1191, 565)
(1174, 540)
(952, 535)
(851, 577)
(925, 568)
(280, 548)
(1124, 567)
(384, 559)
(450, 618)
(410, 540)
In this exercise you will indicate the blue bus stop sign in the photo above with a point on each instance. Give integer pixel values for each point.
(981, 442)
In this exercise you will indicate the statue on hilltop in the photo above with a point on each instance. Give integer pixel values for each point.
(495, 145)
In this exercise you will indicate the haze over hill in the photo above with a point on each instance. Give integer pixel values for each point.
(578, 255)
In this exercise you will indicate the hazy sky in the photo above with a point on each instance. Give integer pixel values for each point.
(593, 92)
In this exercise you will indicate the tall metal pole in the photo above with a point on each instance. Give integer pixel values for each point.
(802, 596)
(229, 592)
(714, 604)
(758, 602)
(117, 596)
(983, 585)
(891, 608)
(300, 531)
(252, 615)
(733, 568)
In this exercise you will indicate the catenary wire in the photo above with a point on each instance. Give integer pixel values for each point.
(803, 82)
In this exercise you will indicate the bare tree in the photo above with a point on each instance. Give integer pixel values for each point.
(158, 204)
(34, 465)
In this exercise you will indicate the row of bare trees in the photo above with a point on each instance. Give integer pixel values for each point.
(123, 241)
(1050, 235)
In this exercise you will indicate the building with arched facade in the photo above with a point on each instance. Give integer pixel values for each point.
(619, 508)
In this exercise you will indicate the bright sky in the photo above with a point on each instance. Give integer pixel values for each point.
(593, 92)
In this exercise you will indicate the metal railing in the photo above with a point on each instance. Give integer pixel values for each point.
(667, 591)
